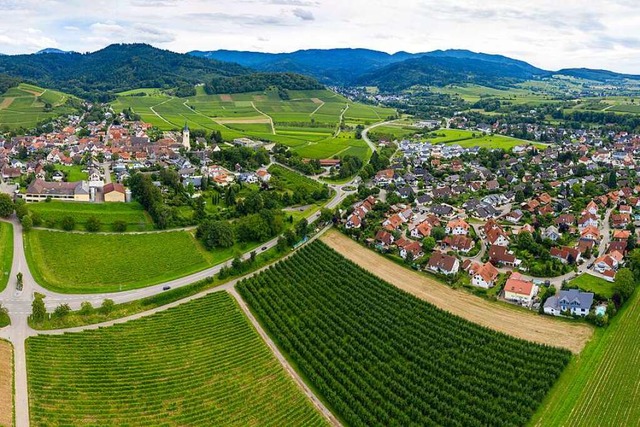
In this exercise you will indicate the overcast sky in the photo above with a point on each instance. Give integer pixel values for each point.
(551, 34)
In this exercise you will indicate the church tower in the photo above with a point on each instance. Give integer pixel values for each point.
(185, 137)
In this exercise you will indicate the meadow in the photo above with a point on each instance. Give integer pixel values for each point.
(200, 363)
(95, 263)
(74, 173)
(52, 213)
(600, 386)
(380, 356)
(24, 106)
(6, 253)
(527, 93)
(590, 283)
(467, 139)
(307, 122)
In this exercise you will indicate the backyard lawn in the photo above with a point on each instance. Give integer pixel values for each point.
(590, 283)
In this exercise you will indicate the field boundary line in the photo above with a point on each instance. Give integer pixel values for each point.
(319, 107)
(156, 113)
(273, 128)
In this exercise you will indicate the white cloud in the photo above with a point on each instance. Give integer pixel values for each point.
(553, 34)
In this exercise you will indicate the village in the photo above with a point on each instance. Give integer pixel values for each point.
(522, 226)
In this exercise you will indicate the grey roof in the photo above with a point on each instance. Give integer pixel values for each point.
(572, 298)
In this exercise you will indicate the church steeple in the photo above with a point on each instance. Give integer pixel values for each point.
(186, 143)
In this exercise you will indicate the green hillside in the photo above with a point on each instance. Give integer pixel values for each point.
(26, 105)
(308, 121)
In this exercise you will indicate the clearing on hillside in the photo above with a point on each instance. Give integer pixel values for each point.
(26, 105)
(6, 383)
(200, 363)
(499, 317)
(95, 263)
(601, 386)
(380, 356)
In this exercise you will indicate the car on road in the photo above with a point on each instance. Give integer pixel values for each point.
(264, 248)
(166, 288)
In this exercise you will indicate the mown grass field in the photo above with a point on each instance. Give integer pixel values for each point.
(74, 173)
(467, 139)
(600, 386)
(108, 213)
(290, 180)
(307, 122)
(24, 106)
(6, 253)
(590, 283)
(94, 263)
(200, 363)
(380, 356)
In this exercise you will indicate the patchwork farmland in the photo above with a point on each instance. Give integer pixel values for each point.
(308, 122)
(200, 363)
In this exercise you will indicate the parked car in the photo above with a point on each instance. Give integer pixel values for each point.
(166, 288)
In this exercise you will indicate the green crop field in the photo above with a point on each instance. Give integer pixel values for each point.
(307, 122)
(467, 139)
(24, 106)
(94, 263)
(590, 283)
(291, 180)
(527, 93)
(600, 386)
(200, 363)
(6, 253)
(380, 356)
(108, 213)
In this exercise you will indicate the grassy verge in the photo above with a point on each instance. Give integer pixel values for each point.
(75, 318)
(6, 253)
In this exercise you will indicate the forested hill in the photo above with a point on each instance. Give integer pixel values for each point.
(115, 68)
(262, 81)
(441, 71)
(7, 82)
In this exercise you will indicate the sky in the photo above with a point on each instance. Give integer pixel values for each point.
(550, 34)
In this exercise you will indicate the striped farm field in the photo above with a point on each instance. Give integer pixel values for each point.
(6, 383)
(601, 386)
(381, 357)
(200, 363)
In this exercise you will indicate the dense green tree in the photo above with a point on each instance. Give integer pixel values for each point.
(6, 205)
(216, 234)
(624, 283)
(68, 223)
(38, 310)
(93, 224)
(27, 223)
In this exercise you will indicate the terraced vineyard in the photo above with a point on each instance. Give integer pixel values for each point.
(24, 106)
(200, 363)
(307, 122)
(380, 356)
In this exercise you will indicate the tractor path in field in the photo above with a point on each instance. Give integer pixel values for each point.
(273, 128)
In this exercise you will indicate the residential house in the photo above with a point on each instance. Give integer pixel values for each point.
(485, 276)
(459, 243)
(414, 248)
(573, 301)
(385, 238)
(422, 230)
(620, 220)
(499, 255)
(551, 233)
(590, 233)
(445, 264)
(519, 290)
(496, 236)
(457, 226)
(566, 254)
(588, 220)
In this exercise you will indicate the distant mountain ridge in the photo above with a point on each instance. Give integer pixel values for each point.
(402, 69)
(52, 50)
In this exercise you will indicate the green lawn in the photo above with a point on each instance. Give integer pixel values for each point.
(201, 363)
(6, 253)
(74, 173)
(600, 385)
(131, 213)
(90, 263)
(468, 138)
(590, 283)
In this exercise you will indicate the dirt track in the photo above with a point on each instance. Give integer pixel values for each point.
(500, 317)
(6, 384)
(6, 103)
